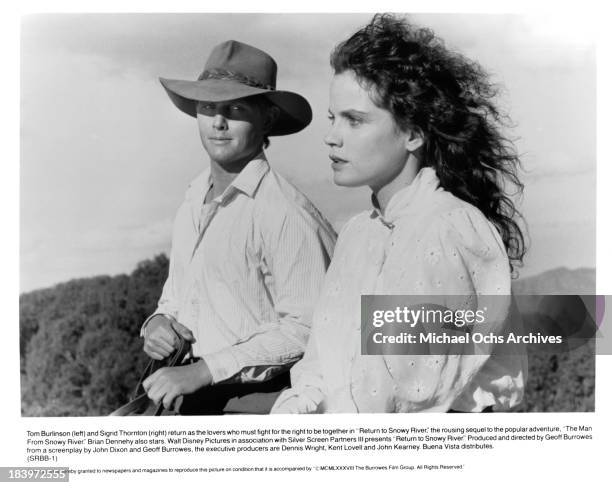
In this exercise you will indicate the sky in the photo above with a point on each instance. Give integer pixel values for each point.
(106, 157)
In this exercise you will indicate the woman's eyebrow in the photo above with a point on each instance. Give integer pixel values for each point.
(353, 113)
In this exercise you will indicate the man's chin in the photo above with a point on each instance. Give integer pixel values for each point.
(222, 156)
(233, 164)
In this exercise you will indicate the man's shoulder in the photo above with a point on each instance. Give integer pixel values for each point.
(278, 193)
(276, 188)
(277, 199)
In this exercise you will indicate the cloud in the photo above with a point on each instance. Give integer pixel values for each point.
(45, 261)
(155, 235)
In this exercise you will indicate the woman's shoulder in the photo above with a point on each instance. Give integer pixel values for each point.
(354, 231)
(356, 222)
(455, 247)
(460, 224)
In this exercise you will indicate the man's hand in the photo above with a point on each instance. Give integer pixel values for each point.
(160, 339)
(166, 384)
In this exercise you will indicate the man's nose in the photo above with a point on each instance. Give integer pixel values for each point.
(219, 122)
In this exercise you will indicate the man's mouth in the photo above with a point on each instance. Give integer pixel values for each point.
(219, 140)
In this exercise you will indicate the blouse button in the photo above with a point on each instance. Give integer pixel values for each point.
(374, 392)
(433, 255)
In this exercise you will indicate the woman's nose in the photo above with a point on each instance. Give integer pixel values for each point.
(332, 137)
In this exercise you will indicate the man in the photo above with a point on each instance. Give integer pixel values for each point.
(249, 251)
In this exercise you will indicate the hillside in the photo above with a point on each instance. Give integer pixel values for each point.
(81, 353)
(560, 382)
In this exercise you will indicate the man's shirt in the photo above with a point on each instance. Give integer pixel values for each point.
(245, 272)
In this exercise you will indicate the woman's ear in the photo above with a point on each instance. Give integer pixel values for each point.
(414, 139)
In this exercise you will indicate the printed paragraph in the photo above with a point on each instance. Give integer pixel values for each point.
(55, 445)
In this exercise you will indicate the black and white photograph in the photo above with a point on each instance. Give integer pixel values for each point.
(206, 197)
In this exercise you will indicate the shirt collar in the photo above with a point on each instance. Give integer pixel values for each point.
(422, 187)
(247, 181)
(250, 177)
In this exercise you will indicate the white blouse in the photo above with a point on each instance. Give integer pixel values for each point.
(428, 242)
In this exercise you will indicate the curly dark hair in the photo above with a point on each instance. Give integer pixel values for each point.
(409, 72)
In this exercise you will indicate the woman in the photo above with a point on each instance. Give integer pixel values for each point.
(416, 123)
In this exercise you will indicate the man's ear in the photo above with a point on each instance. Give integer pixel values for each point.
(414, 139)
(272, 115)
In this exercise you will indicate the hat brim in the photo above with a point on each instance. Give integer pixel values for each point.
(295, 111)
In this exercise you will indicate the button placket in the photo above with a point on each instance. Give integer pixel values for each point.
(207, 213)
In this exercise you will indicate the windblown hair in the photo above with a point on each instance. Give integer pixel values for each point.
(409, 72)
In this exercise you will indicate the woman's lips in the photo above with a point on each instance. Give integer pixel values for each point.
(337, 162)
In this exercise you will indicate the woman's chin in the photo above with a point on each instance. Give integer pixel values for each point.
(346, 180)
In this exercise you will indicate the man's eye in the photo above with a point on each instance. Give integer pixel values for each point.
(237, 108)
(330, 117)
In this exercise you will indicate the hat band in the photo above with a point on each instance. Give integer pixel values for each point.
(221, 74)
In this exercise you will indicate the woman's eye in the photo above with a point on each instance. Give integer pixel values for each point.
(354, 122)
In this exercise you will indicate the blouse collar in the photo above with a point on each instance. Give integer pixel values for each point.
(408, 199)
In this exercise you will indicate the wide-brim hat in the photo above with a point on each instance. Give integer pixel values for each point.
(236, 70)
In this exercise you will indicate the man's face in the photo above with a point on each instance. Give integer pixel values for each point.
(232, 132)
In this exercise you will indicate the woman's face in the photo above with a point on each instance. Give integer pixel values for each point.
(366, 146)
